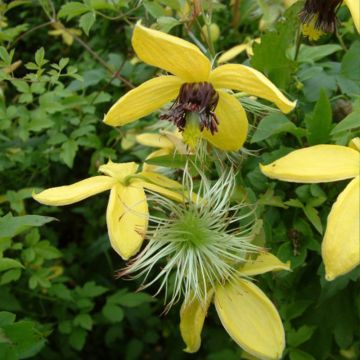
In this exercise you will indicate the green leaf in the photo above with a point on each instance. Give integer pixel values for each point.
(351, 122)
(87, 21)
(84, 320)
(166, 23)
(273, 124)
(313, 216)
(311, 54)
(46, 251)
(11, 226)
(40, 57)
(68, 152)
(90, 289)
(350, 65)
(296, 354)
(318, 124)
(133, 299)
(7, 263)
(6, 318)
(73, 9)
(113, 313)
(77, 338)
(21, 86)
(304, 333)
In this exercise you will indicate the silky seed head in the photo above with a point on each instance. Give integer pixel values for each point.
(200, 245)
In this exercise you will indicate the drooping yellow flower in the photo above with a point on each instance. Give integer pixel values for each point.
(237, 50)
(197, 89)
(319, 16)
(326, 163)
(67, 34)
(127, 210)
(246, 313)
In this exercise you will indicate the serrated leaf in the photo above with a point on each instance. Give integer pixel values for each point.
(318, 124)
(87, 21)
(113, 313)
(312, 54)
(68, 152)
(350, 65)
(84, 321)
(313, 216)
(73, 9)
(39, 57)
(77, 338)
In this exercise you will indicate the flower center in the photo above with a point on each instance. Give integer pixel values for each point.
(320, 14)
(194, 108)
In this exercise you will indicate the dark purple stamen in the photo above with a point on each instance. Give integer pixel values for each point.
(200, 98)
(324, 11)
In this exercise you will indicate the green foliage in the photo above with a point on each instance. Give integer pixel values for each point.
(62, 65)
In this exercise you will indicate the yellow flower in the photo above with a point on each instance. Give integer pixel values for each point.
(127, 210)
(326, 163)
(245, 311)
(319, 16)
(196, 88)
(238, 49)
(66, 34)
(167, 143)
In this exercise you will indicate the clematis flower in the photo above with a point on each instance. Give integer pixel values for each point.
(246, 313)
(127, 210)
(326, 163)
(319, 16)
(202, 107)
(206, 246)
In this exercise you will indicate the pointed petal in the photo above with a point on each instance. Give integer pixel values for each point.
(250, 319)
(265, 262)
(69, 194)
(119, 171)
(143, 100)
(171, 53)
(341, 244)
(127, 219)
(233, 125)
(154, 140)
(354, 8)
(244, 78)
(231, 53)
(192, 317)
(161, 180)
(173, 195)
(320, 163)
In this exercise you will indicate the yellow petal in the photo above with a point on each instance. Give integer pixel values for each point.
(69, 194)
(231, 53)
(171, 53)
(320, 163)
(354, 8)
(173, 195)
(127, 219)
(265, 262)
(161, 180)
(355, 143)
(143, 100)
(244, 78)
(341, 244)
(192, 316)
(119, 171)
(233, 125)
(154, 140)
(250, 319)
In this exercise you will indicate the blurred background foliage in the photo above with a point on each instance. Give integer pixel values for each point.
(62, 65)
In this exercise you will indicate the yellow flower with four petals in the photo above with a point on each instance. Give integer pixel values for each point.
(246, 313)
(327, 163)
(127, 210)
(197, 89)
